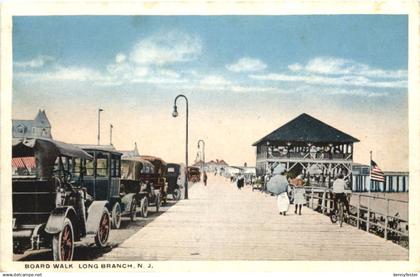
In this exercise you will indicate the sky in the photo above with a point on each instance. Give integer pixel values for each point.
(244, 76)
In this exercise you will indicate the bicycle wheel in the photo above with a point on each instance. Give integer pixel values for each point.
(334, 216)
(341, 213)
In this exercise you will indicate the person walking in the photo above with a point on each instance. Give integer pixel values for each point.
(298, 194)
(205, 178)
(240, 181)
(280, 184)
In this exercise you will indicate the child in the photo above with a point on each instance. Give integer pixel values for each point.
(298, 193)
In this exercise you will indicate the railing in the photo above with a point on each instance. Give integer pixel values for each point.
(388, 226)
(304, 156)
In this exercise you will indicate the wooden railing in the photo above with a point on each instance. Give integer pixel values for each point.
(304, 156)
(390, 226)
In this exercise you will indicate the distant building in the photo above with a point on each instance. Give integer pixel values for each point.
(38, 127)
(307, 146)
(394, 181)
(219, 166)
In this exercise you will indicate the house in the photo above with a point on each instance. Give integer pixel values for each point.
(218, 166)
(38, 127)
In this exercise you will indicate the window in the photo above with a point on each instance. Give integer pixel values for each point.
(102, 167)
(115, 167)
(76, 166)
(20, 129)
(89, 168)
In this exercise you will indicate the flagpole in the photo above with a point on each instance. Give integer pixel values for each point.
(370, 188)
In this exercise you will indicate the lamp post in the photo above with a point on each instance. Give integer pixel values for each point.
(99, 125)
(110, 133)
(175, 114)
(203, 151)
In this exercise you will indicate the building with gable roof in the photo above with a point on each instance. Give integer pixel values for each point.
(38, 127)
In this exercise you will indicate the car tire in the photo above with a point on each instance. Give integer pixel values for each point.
(157, 202)
(144, 207)
(63, 243)
(176, 195)
(116, 216)
(133, 210)
(104, 227)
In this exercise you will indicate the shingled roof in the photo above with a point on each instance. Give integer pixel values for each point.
(306, 128)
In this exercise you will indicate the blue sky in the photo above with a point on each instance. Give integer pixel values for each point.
(244, 76)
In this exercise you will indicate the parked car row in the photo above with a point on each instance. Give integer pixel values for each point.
(63, 193)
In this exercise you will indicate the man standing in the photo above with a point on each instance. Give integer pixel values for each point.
(205, 178)
(338, 189)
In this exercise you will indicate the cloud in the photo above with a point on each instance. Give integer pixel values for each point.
(120, 58)
(61, 73)
(36, 62)
(350, 80)
(338, 72)
(247, 64)
(339, 66)
(167, 48)
(215, 80)
(295, 67)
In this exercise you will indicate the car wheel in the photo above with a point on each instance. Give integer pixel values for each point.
(116, 216)
(157, 203)
(176, 195)
(102, 234)
(133, 210)
(144, 207)
(63, 243)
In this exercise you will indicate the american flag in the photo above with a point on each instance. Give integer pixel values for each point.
(376, 174)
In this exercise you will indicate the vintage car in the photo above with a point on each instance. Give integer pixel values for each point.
(194, 174)
(102, 181)
(51, 208)
(173, 177)
(136, 177)
(156, 179)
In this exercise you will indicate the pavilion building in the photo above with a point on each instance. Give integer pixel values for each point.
(309, 147)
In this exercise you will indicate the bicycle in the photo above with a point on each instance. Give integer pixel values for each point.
(338, 214)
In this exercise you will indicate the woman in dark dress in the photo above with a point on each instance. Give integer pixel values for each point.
(240, 181)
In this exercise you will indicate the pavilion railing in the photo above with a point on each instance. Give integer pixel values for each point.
(388, 226)
(304, 156)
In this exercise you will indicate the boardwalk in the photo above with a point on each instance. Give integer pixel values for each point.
(219, 222)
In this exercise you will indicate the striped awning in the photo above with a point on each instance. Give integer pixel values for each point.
(24, 162)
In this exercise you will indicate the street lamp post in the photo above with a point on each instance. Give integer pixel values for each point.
(175, 114)
(99, 125)
(204, 153)
(110, 133)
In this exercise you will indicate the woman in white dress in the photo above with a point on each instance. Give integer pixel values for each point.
(298, 194)
(279, 180)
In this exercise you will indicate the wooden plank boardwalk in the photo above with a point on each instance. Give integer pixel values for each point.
(220, 222)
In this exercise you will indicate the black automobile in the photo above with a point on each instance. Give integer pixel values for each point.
(103, 181)
(173, 173)
(51, 208)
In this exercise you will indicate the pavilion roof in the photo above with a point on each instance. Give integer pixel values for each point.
(306, 128)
